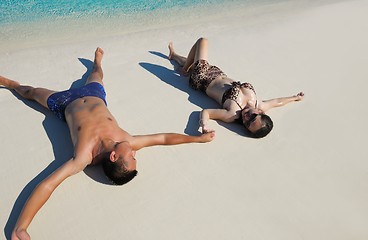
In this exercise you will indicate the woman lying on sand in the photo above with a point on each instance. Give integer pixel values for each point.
(238, 100)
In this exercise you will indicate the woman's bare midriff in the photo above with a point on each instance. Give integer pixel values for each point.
(217, 87)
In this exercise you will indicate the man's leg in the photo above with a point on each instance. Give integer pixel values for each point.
(97, 73)
(39, 95)
(197, 52)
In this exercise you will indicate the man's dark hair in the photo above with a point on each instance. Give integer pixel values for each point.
(116, 171)
(265, 130)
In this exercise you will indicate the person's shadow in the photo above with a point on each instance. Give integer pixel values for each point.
(58, 133)
(171, 77)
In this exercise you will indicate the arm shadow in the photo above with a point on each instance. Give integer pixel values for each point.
(58, 133)
(171, 77)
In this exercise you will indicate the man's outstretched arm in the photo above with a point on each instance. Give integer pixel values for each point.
(41, 194)
(142, 141)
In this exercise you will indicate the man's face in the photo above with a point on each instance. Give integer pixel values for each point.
(124, 150)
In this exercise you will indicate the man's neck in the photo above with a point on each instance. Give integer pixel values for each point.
(104, 148)
(107, 145)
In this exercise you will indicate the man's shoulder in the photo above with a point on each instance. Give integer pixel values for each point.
(83, 153)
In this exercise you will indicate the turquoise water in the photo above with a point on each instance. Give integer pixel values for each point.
(27, 23)
(18, 11)
(35, 22)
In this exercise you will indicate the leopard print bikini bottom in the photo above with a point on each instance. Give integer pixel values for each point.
(203, 74)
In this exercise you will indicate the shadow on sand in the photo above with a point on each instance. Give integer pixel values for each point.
(58, 133)
(171, 77)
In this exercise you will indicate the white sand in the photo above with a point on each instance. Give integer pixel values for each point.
(307, 180)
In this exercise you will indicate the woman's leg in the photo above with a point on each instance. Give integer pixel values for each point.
(39, 95)
(97, 73)
(197, 52)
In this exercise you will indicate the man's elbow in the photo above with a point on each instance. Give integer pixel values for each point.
(46, 187)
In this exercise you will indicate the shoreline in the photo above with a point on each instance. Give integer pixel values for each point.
(23, 36)
(306, 180)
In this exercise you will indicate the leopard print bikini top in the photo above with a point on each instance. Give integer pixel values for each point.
(233, 92)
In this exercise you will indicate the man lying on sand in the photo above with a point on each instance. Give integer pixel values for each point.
(238, 100)
(96, 137)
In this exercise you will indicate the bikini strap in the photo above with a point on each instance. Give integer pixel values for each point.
(238, 105)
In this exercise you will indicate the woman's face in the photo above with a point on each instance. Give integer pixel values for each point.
(252, 119)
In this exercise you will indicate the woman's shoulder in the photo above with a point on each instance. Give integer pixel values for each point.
(232, 108)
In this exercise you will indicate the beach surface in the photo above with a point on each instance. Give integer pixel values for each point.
(307, 180)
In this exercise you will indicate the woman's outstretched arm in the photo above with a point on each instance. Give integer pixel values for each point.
(215, 114)
(279, 102)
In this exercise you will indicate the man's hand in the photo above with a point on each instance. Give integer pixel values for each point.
(20, 234)
(207, 137)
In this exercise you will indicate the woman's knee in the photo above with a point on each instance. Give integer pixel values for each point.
(201, 49)
(202, 41)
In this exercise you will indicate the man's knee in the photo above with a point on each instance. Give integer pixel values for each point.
(36, 91)
(25, 91)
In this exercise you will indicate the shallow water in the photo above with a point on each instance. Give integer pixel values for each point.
(15, 11)
(28, 23)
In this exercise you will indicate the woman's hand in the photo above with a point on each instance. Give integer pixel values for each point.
(299, 96)
(205, 129)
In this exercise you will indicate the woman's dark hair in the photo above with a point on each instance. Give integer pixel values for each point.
(116, 171)
(265, 130)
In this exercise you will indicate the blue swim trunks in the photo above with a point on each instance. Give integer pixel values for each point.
(58, 101)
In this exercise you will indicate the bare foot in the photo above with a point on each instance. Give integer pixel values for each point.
(98, 55)
(171, 49)
(8, 83)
